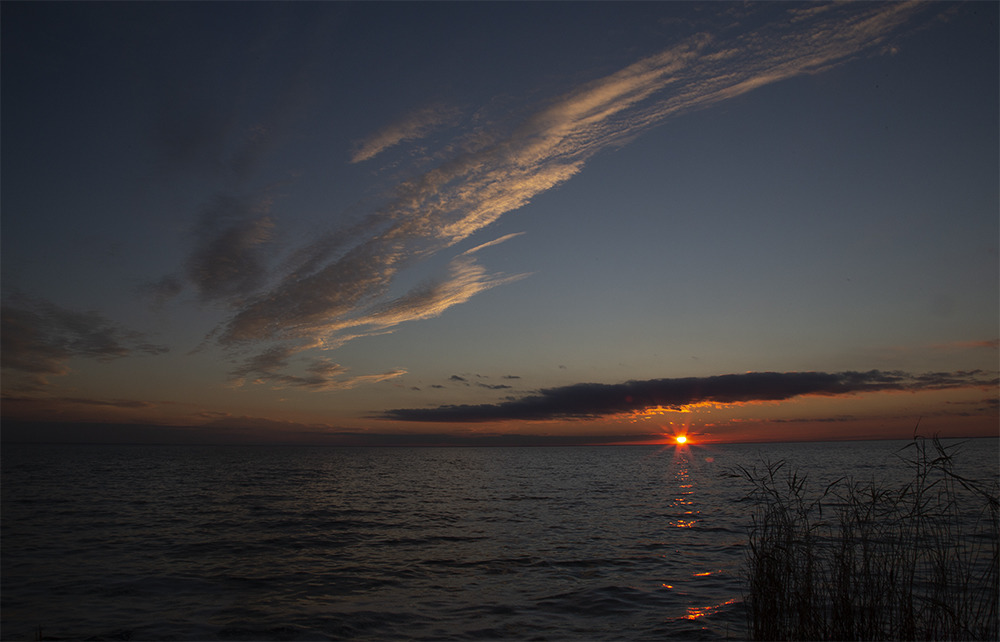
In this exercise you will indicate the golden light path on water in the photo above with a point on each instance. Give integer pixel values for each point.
(683, 447)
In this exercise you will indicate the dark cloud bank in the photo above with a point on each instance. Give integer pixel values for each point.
(593, 400)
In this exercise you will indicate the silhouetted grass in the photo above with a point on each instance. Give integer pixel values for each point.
(862, 561)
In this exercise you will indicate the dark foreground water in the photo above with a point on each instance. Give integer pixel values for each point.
(297, 543)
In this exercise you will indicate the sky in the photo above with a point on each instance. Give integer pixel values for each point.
(498, 223)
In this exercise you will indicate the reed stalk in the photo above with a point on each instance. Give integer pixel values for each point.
(863, 561)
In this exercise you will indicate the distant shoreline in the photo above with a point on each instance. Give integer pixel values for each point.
(104, 434)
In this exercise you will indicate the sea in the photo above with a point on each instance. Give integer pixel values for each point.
(169, 542)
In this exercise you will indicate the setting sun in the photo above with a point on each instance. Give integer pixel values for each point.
(680, 439)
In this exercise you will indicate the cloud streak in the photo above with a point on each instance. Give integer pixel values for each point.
(319, 375)
(230, 257)
(39, 338)
(335, 289)
(412, 127)
(595, 400)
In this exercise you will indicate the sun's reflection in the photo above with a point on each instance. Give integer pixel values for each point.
(695, 612)
(683, 443)
(683, 501)
(686, 482)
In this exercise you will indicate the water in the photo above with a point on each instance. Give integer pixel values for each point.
(298, 543)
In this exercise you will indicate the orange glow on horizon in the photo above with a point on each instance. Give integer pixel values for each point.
(681, 439)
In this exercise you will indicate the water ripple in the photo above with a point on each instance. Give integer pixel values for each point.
(241, 543)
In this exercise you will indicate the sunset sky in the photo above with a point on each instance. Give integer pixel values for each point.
(499, 223)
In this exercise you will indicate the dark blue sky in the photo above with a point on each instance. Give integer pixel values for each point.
(321, 214)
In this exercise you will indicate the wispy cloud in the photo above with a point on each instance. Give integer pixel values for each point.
(335, 289)
(989, 344)
(49, 402)
(341, 317)
(229, 258)
(318, 375)
(39, 338)
(414, 126)
(113, 403)
(466, 279)
(594, 400)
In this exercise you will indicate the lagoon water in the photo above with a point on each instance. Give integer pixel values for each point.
(300, 543)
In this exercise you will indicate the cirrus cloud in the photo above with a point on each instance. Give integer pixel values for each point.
(412, 127)
(336, 288)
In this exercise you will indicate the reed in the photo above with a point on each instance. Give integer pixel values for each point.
(863, 561)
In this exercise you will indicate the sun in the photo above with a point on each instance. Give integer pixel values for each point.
(681, 439)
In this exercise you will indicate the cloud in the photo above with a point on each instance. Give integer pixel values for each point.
(319, 374)
(594, 400)
(466, 279)
(334, 290)
(39, 338)
(229, 258)
(318, 309)
(113, 403)
(49, 402)
(496, 386)
(989, 344)
(498, 241)
(412, 127)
